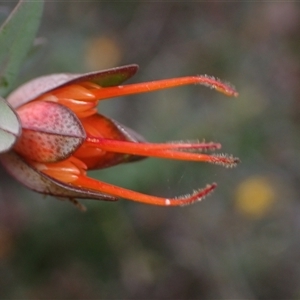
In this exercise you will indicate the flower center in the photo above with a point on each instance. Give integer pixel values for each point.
(79, 98)
(66, 171)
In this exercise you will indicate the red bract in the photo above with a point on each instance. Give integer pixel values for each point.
(63, 136)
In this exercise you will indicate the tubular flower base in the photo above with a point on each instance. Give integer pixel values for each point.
(63, 136)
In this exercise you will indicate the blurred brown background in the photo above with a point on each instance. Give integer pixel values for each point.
(241, 242)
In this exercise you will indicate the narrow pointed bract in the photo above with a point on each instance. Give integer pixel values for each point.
(63, 136)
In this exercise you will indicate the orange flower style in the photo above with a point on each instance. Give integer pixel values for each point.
(63, 136)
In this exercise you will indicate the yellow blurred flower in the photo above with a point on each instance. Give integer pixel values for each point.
(102, 52)
(255, 196)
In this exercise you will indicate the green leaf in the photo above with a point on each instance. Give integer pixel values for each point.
(16, 39)
(10, 128)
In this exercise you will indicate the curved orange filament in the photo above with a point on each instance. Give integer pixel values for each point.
(83, 98)
(145, 87)
(117, 191)
(170, 151)
(116, 145)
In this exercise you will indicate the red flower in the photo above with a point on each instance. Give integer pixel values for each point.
(63, 136)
